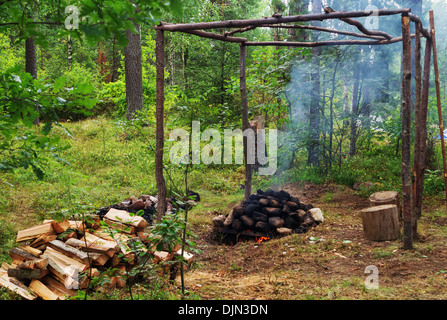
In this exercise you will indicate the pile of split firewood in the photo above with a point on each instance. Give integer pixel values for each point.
(56, 258)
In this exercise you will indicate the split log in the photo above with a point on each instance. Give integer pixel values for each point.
(316, 214)
(69, 251)
(272, 212)
(381, 223)
(247, 221)
(258, 216)
(42, 240)
(121, 240)
(77, 225)
(65, 270)
(15, 285)
(120, 277)
(69, 234)
(19, 255)
(91, 247)
(59, 226)
(219, 221)
(187, 257)
(33, 251)
(120, 226)
(42, 290)
(229, 220)
(115, 260)
(34, 264)
(35, 232)
(100, 238)
(276, 222)
(125, 217)
(98, 259)
(58, 288)
(145, 236)
(63, 260)
(284, 231)
(23, 274)
(275, 203)
(162, 256)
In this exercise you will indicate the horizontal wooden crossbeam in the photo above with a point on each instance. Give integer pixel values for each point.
(278, 19)
(323, 43)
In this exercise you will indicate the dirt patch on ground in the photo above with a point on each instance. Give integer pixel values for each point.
(328, 262)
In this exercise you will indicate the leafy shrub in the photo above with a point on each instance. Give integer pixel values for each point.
(433, 182)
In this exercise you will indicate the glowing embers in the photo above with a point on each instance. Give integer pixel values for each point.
(262, 239)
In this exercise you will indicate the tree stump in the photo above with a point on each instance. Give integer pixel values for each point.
(381, 223)
(386, 197)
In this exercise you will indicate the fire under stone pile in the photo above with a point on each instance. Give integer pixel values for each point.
(269, 213)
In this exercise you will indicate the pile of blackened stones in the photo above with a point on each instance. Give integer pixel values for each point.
(270, 212)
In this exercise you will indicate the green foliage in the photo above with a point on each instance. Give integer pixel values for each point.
(7, 236)
(433, 182)
(167, 234)
(112, 98)
(23, 100)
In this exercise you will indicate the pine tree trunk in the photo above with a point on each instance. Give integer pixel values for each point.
(354, 111)
(314, 108)
(115, 61)
(134, 73)
(30, 57)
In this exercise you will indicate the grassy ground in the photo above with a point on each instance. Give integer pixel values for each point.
(109, 163)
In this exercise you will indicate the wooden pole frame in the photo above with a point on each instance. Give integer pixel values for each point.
(438, 96)
(159, 139)
(417, 128)
(406, 129)
(245, 123)
(279, 19)
(375, 37)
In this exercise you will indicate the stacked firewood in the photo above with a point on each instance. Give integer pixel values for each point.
(56, 258)
(271, 213)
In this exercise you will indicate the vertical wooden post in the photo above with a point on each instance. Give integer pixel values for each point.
(417, 126)
(420, 158)
(438, 95)
(406, 127)
(245, 124)
(159, 110)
